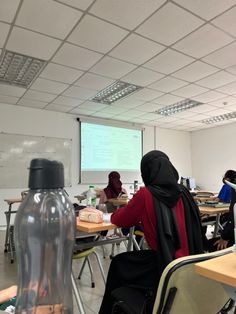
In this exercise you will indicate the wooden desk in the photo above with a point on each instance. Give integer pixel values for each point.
(221, 269)
(90, 227)
(207, 210)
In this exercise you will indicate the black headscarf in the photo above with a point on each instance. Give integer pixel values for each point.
(161, 179)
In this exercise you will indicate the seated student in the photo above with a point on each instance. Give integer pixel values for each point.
(171, 225)
(226, 238)
(224, 195)
(113, 190)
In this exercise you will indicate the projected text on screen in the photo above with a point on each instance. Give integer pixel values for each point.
(106, 147)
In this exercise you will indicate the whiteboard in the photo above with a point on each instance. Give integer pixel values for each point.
(16, 152)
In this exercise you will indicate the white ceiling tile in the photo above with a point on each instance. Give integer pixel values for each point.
(224, 102)
(133, 113)
(48, 86)
(4, 29)
(202, 109)
(189, 91)
(8, 99)
(76, 57)
(8, 10)
(151, 116)
(80, 92)
(10, 90)
(217, 79)
(167, 100)
(79, 4)
(128, 14)
(121, 118)
(209, 96)
(112, 67)
(136, 49)
(60, 108)
(224, 57)
(102, 114)
(31, 103)
(231, 107)
(228, 89)
(93, 81)
(32, 44)
(172, 24)
(60, 73)
(203, 41)
(184, 114)
(217, 112)
(81, 111)
(168, 84)
(195, 71)
(145, 94)
(142, 77)
(90, 105)
(167, 119)
(47, 17)
(35, 95)
(232, 69)
(127, 103)
(206, 9)
(96, 34)
(199, 116)
(227, 21)
(148, 107)
(113, 110)
(168, 61)
(67, 101)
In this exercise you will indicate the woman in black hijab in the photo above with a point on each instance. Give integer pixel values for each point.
(172, 229)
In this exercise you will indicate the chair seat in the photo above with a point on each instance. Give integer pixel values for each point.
(83, 253)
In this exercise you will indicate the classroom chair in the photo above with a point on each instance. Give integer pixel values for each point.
(86, 255)
(181, 290)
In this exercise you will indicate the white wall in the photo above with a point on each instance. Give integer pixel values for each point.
(177, 145)
(29, 121)
(213, 152)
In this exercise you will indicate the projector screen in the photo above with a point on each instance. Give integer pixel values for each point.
(108, 148)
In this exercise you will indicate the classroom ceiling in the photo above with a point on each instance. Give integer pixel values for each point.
(173, 49)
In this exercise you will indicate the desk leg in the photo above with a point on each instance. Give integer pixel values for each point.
(77, 295)
(8, 217)
(217, 223)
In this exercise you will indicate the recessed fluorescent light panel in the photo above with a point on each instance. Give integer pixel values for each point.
(115, 92)
(178, 107)
(18, 69)
(220, 118)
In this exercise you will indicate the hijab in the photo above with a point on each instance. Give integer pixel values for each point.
(160, 177)
(114, 187)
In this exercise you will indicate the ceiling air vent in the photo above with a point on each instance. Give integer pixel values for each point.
(18, 69)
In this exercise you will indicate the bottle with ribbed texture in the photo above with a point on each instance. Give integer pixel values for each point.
(91, 196)
(44, 239)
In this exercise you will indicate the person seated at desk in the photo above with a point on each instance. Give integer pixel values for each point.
(171, 224)
(113, 190)
(224, 195)
(226, 238)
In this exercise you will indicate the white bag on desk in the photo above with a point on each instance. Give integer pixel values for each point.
(91, 214)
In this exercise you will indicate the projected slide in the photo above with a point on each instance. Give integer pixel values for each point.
(105, 148)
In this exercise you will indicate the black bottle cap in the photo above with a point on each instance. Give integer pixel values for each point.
(46, 174)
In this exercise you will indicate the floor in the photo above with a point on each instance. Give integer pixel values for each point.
(92, 297)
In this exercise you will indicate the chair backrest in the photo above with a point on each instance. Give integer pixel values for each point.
(182, 290)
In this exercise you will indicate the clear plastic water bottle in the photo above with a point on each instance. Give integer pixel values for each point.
(44, 239)
(91, 196)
